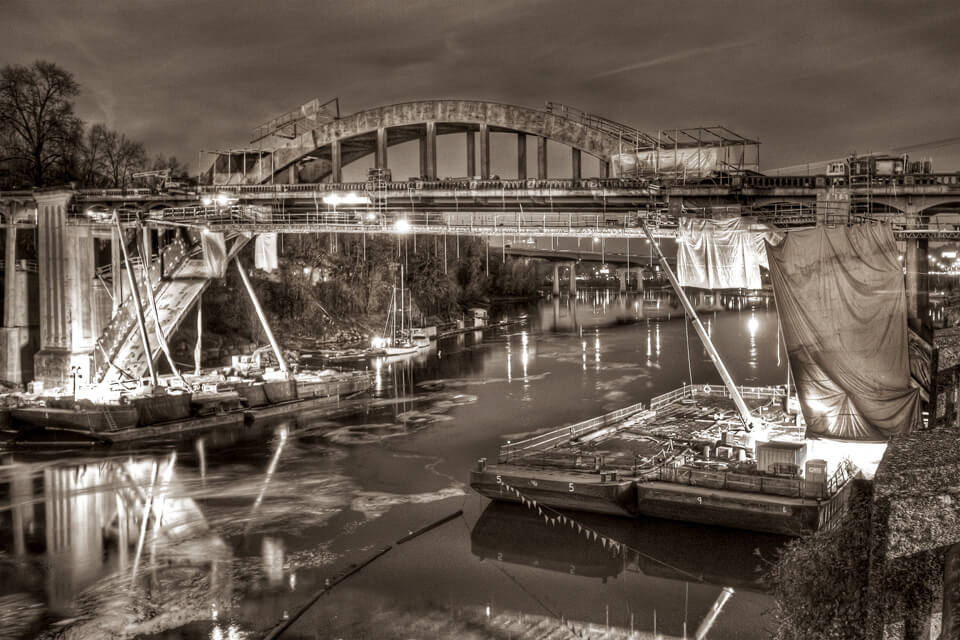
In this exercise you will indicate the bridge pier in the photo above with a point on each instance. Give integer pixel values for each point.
(484, 151)
(430, 148)
(575, 163)
(380, 159)
(521, 156)
(17, 340)
(556, 280)
(623, 275)
(67, 306)
(573, 279)
(604, 168)
(336, 162)
(541, 158)
(471, 154)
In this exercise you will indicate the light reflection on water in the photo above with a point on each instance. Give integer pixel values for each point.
(241, 527)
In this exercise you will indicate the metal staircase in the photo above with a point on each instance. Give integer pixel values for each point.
(178, 278)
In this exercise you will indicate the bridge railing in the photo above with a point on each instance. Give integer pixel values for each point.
(458, 184)
(28, 266)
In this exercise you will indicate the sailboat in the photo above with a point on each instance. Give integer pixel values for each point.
(399, 344)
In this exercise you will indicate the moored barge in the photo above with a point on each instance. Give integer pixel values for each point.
(681, 458)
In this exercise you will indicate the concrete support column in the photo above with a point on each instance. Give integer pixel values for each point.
(471, 154)
(575, 163)
(16, 356)
(431, 149)
(623, 274)
(639, 273)
(10, 300)
(556, 279)
(918, 303)
(604, 168)
(484, 151)
(573, 279)
(67, 304)
(336, 162)
(521, 156)
(423, 157)
(380, 162)
(292, 177)
(541, 157)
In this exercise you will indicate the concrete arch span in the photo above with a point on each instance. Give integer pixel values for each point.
(371, 130)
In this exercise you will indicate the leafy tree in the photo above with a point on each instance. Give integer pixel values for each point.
(39, 131)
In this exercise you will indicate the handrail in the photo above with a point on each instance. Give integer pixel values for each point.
(561, 435)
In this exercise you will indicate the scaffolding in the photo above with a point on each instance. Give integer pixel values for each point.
(304, 118)
(235, 158)
(674, 155)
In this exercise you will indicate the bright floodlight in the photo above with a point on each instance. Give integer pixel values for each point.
(223, 199)
(335, 199)
(206, 201)
(402, 225)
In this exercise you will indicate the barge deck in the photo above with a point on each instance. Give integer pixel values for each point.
(682, 458)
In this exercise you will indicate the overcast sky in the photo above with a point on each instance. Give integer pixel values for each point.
(812, 80)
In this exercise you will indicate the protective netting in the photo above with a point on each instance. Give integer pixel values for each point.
(724, 253)
(840, 296)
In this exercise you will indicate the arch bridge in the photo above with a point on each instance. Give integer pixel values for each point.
(292, 182)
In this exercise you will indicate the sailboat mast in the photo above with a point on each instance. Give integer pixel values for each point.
(401, 300)
(745, 414)
(393, 308)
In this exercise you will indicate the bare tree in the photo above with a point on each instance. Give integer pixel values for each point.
(123, 157)
(93, 164)
(37, 122)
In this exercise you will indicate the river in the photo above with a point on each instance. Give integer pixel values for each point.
(256, 522)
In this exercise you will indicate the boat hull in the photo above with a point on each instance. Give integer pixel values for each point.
(94, 420)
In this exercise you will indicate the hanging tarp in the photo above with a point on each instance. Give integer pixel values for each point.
(840, 297)
(265, 254)
(685, 162)
(214, 253)
(720, 254)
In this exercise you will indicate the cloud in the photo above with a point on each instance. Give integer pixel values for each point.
(680, 56)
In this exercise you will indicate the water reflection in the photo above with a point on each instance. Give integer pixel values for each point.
(238, 527)
(677, 572)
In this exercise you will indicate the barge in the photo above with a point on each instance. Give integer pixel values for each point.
(683, 457)
(221, 403)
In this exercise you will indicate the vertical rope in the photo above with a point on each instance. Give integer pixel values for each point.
(686, 332)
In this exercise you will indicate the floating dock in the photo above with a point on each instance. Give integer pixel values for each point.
(681, 458)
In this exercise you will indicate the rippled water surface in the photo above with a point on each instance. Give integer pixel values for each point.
(256, 522)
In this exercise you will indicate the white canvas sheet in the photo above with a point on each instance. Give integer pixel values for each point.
(840, 296)
(265, 252)
(720, 254)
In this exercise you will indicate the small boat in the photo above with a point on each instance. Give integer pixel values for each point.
(419, 337)
(402, 348)
(97, 418)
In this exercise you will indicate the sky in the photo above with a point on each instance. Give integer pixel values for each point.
(812, 80)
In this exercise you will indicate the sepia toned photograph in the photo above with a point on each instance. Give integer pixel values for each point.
(461, 319)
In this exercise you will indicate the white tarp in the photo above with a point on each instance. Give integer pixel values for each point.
(265, 253)
(724, 253)
(687, 162)
(840, 296)
(214, 253)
